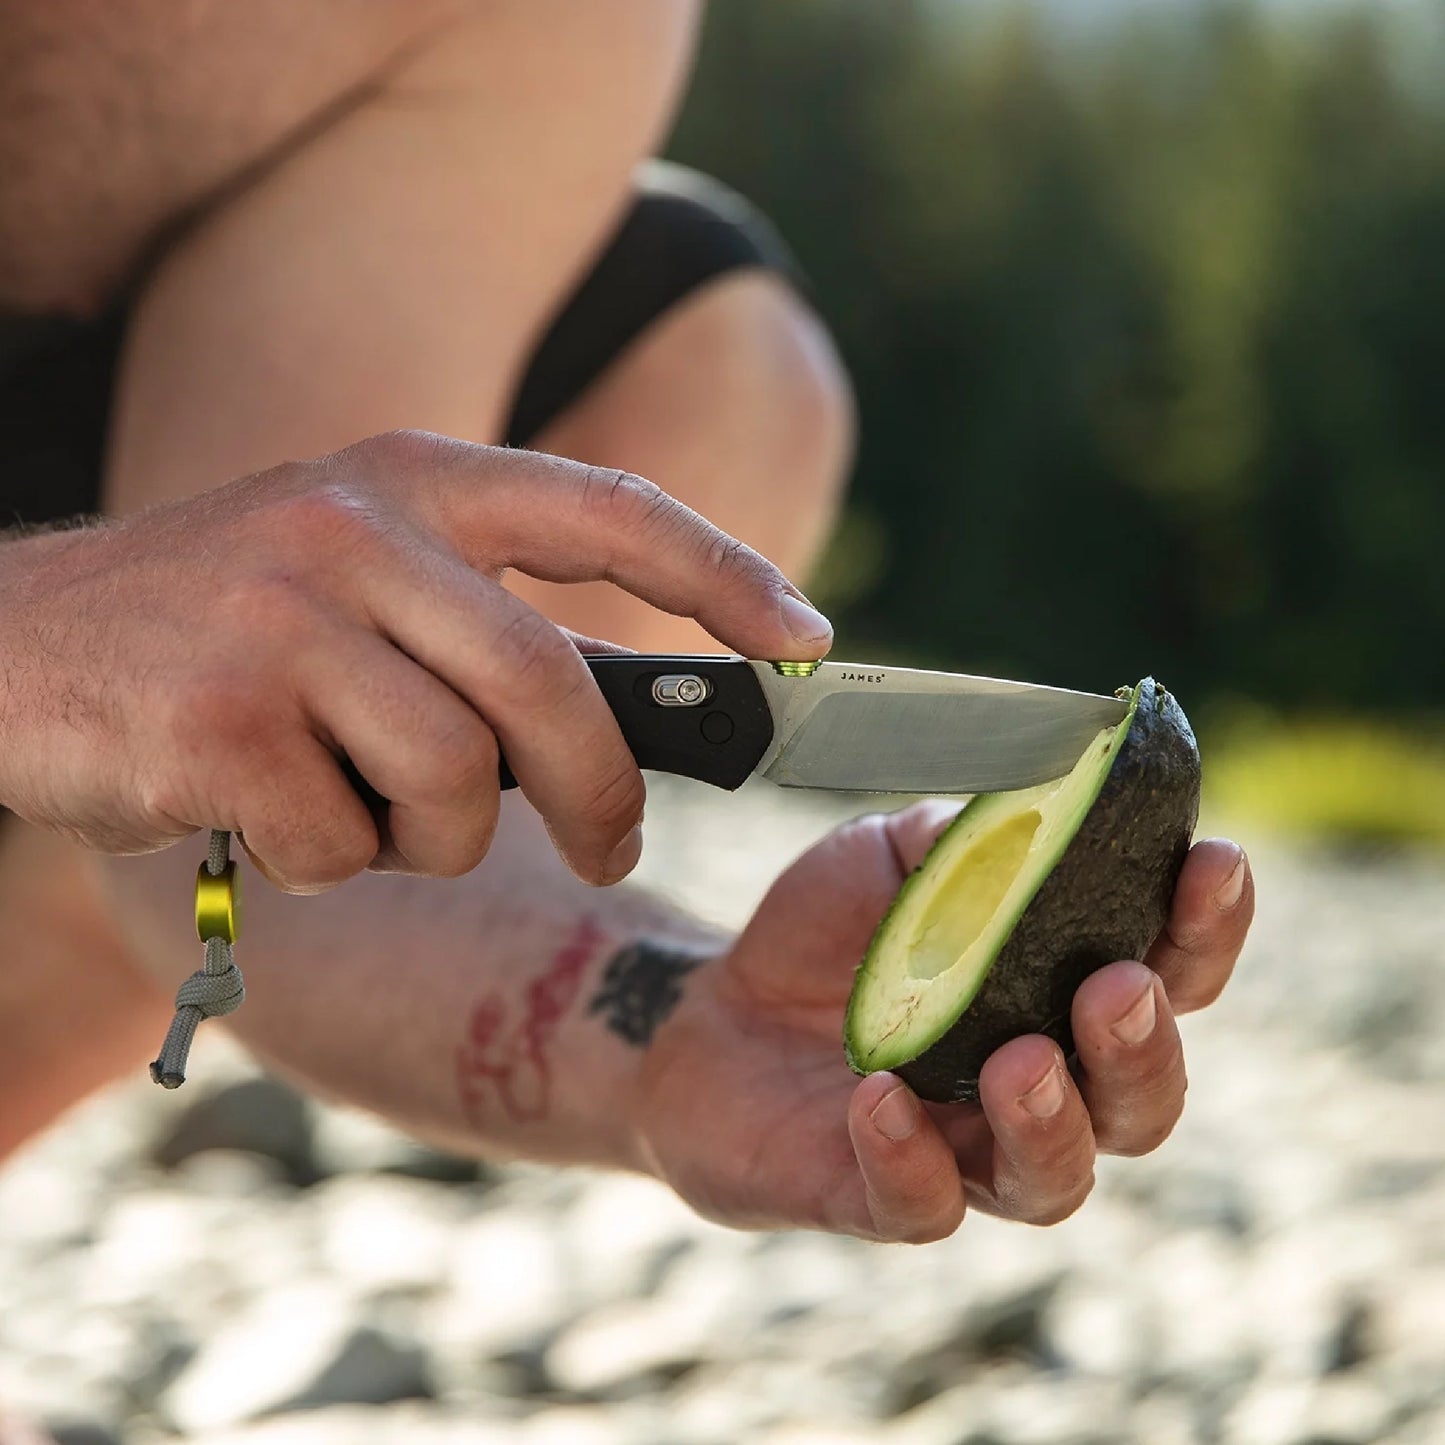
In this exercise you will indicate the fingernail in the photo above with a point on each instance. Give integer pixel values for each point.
(806, 623)
(1046, 1097)
(896, 1116)
(1231, 890)
(1136, 1025)
(623, 858)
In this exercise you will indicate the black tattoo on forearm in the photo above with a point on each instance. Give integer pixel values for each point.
(640, 988)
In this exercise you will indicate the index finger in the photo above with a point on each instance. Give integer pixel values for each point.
(563, 521)
(1208, 919)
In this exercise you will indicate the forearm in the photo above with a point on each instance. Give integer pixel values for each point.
(506, 1012)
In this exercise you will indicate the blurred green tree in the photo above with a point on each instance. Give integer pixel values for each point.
(1148, 327)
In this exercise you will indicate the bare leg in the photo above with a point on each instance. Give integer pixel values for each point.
(74, 1010)
(735, 401)
(396, 270)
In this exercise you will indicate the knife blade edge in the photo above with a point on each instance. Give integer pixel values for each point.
(856, 727)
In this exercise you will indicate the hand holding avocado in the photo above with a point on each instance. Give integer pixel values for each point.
(748, 1109)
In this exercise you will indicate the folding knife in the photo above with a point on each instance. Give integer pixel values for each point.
(848, 726)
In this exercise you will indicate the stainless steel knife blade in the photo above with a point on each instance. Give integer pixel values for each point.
(859, 728)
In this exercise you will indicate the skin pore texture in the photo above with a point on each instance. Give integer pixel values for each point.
(347, 276)
(118, 123)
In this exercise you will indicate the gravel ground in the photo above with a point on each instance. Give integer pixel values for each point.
(236, 1265)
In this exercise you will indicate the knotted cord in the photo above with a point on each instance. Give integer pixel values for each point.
(216, 988)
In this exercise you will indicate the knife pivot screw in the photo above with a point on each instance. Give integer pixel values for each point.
(796, 669)
(680, 689)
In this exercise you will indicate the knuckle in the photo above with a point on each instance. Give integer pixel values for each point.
(462, 762)
(1055, 1212)
(722, 555)
(469, 847)
(1071, 1156)
(613, 803)
(725, 556)
(1198, 991)
(460, 778)
(1051, 1177)
(324, 518)
(620, 502)
(163, 800)
(324, 855)
(395, 444)
(441, 853)
(1136, 1142)
(329, 867)
(929, 1231)
(402, 448)
(283, 482)
(538, 665)
(298, 815)
(1062, 1205)
(1146, 1126)
(731, 564)
(922, 1206)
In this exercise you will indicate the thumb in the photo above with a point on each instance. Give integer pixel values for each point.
(837, 892)
(913, 831)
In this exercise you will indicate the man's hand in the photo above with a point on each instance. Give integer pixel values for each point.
(747, 1109)
(276, 656)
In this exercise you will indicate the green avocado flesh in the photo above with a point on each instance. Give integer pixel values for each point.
(1024, 895)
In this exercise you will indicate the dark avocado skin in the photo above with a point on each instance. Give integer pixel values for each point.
(1107, 899)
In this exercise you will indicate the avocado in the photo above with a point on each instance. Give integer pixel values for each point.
(1023, 896)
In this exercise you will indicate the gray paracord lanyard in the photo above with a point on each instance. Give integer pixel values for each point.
(216, 988)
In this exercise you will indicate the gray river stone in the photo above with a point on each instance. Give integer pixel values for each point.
(256, 1116)
(204, 1265)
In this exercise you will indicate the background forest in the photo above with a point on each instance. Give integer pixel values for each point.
(1146, 313)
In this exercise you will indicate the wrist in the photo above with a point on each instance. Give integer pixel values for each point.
(645, 994)
(20, 554)
(39, 716)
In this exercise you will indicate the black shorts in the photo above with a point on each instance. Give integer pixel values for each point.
(57, 376)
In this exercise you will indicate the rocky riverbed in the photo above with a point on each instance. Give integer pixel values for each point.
(237, 1265)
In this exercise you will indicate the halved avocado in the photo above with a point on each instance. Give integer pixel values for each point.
(1023, 896)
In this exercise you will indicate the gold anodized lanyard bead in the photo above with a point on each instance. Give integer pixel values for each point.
(217, 902)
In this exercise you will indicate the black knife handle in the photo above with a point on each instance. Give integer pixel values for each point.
(718, 740)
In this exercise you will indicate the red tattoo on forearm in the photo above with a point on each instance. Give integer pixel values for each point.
(503, 1060)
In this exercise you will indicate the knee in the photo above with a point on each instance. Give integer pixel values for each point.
(774, 366)
(736, 401)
